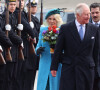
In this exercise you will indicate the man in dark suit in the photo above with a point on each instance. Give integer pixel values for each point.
(80, 42)
(95, 15)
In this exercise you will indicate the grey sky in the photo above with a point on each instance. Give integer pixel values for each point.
(69, 4)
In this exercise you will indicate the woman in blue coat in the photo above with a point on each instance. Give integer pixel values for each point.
(45, 79)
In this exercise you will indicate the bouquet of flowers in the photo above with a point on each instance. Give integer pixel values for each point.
(51, 35)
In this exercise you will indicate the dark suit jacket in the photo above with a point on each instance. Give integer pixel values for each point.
(80, 59)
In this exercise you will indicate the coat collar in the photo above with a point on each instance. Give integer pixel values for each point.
(75, 33)
(84, 43)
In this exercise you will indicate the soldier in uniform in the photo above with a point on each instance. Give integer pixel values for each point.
(27, 36)
(11, 66)
(34, 19)
(4, 42)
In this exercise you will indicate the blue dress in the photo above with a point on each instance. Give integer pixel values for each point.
(44, 66)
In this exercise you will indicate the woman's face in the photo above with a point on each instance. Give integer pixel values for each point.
(51, 20)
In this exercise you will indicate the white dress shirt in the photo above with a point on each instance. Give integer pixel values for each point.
(78, 26)
(98, 23)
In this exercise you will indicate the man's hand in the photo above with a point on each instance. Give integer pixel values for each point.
(53, 72)
(35, 40)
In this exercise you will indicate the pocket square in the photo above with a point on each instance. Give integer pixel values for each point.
(92, 37)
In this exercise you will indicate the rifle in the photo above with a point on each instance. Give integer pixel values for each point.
(41, 14)
(32, 48)
(20, 51)
(2, 60)
(8, 55)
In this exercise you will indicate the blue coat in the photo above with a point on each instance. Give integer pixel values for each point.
(44, 66)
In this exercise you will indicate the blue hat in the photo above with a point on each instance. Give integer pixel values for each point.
(52, 11)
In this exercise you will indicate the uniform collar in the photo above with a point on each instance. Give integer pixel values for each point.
(96, 22)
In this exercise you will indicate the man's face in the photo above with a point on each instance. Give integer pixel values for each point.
(33, 9)
(95, 14)
(12, 6)
(84, 17)
(22, 4)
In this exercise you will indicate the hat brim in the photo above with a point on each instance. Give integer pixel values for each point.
(32, 5)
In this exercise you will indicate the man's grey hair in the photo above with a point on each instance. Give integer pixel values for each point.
(79, 8)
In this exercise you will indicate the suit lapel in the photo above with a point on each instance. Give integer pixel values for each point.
(75, 33)
(76, 36)
(81, 43)
(86, 37)
(87, 29)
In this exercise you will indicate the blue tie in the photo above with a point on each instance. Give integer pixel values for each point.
(81, 32)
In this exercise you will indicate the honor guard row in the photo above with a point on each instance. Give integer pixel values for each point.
(18, 38)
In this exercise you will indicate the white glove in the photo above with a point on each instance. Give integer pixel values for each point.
(8, 27)
(31, 24)
(20, 27)
(10, 48)
(1, 48)
(22, 45)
